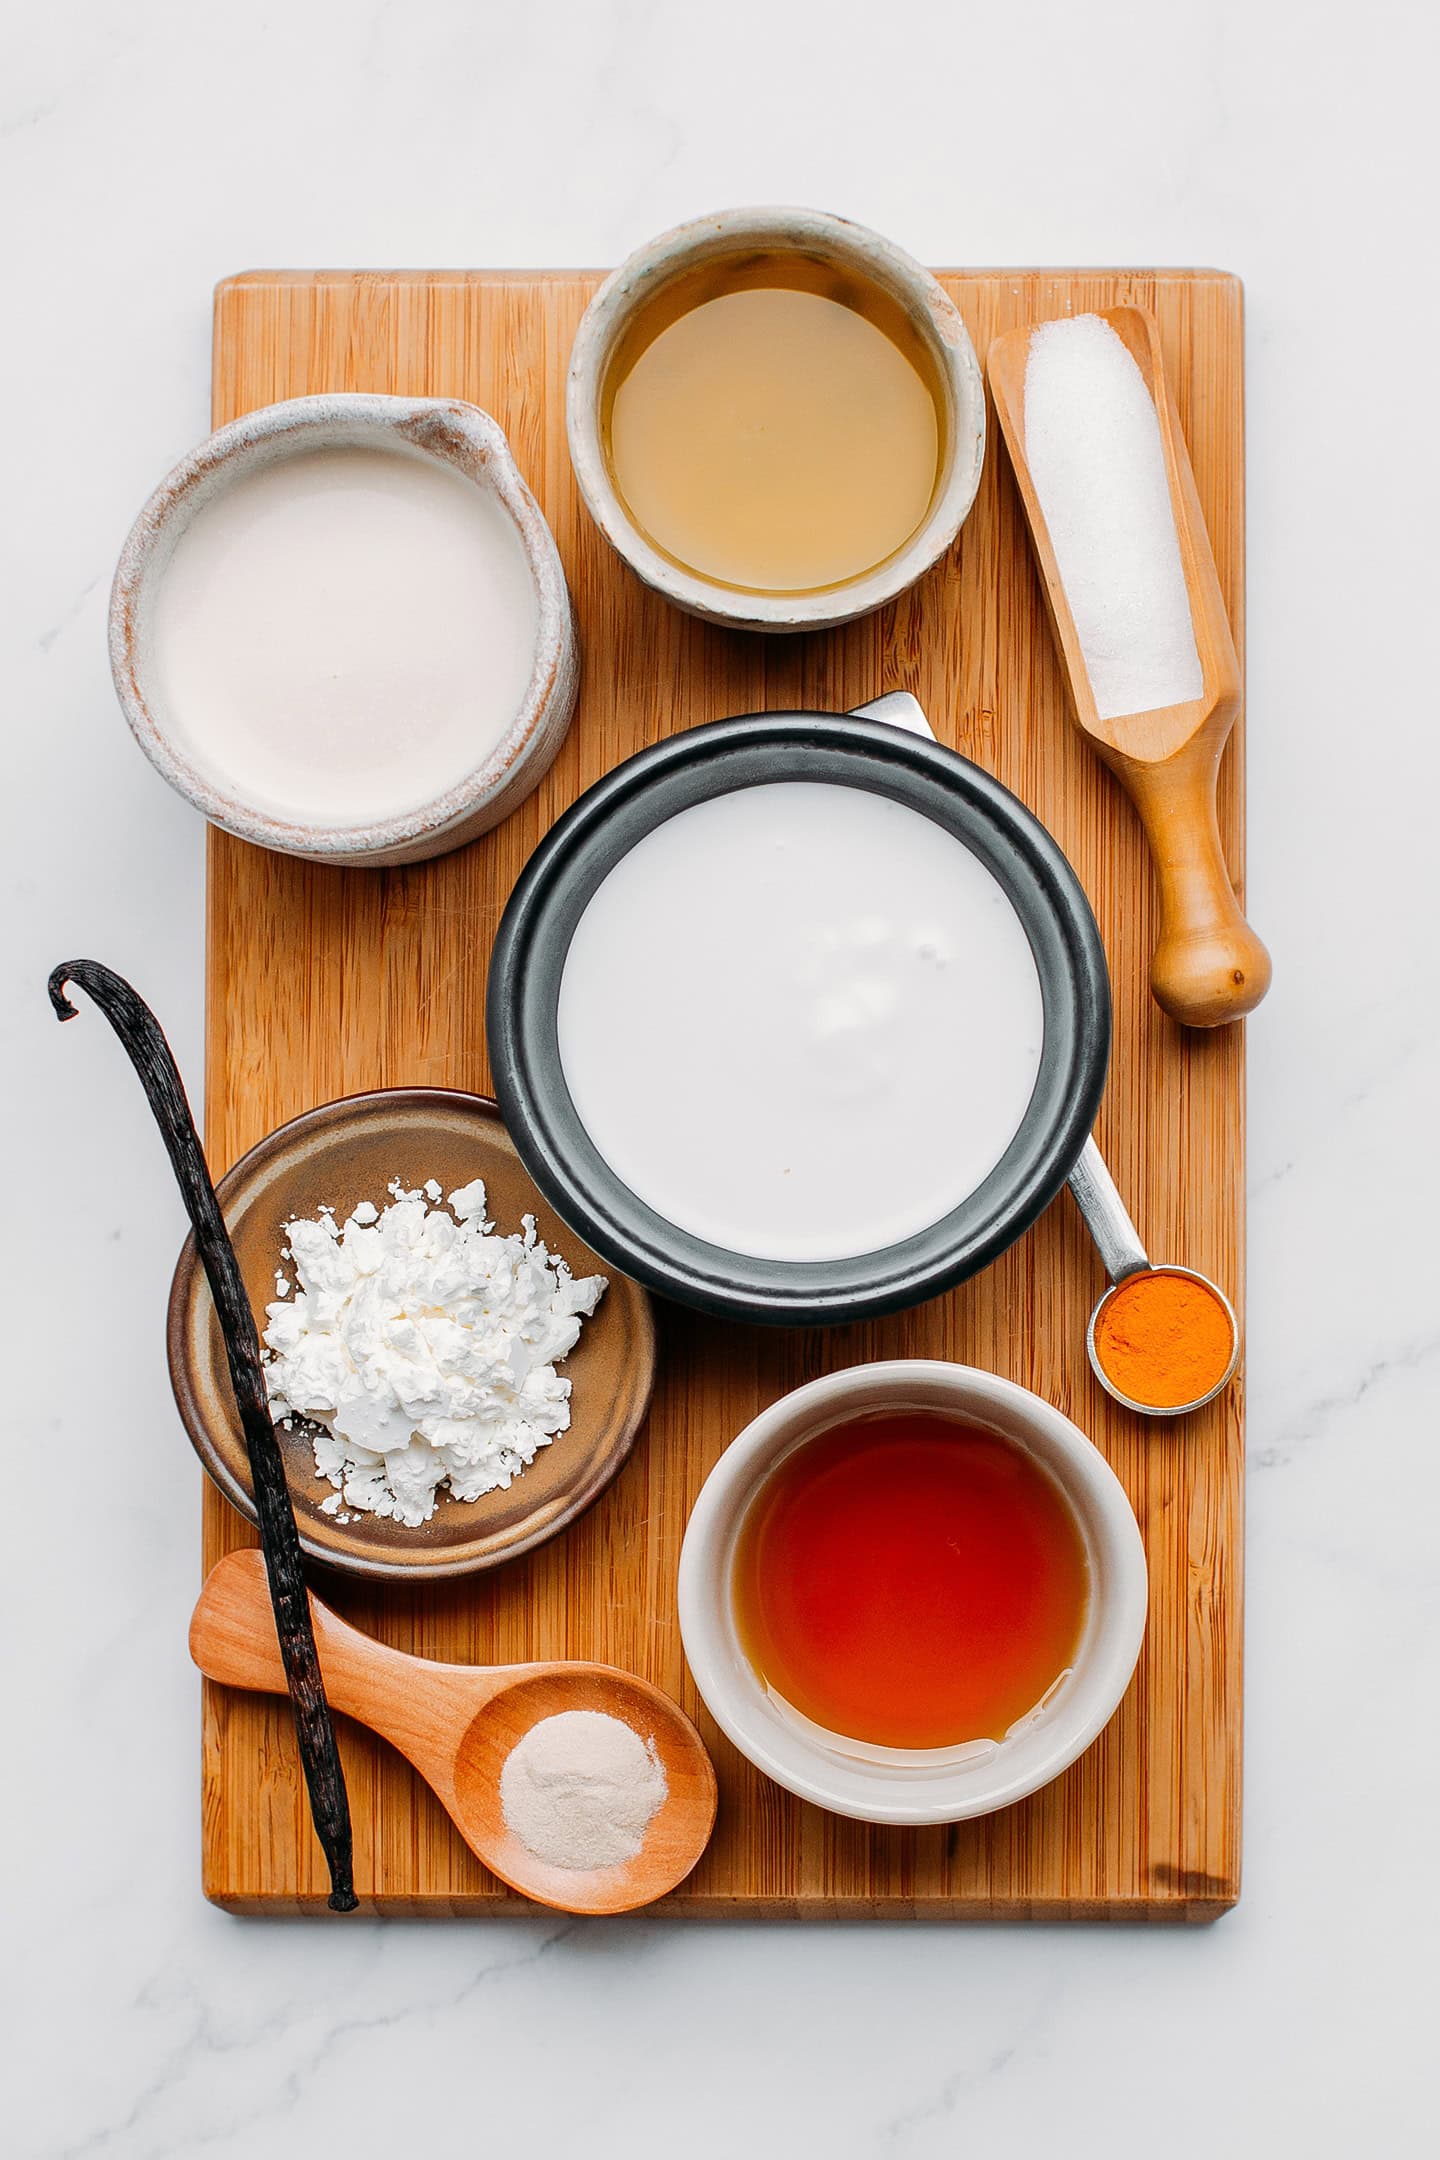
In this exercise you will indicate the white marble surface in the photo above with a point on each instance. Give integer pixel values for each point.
(148, 150)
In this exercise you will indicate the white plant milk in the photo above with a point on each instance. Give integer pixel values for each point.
(801, 1021)
(343, 635)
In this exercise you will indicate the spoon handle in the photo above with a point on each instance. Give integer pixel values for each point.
(1106, 1216)
(418, 1705)
(1209, 966)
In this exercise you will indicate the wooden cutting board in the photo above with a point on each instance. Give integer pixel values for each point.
(324, 981)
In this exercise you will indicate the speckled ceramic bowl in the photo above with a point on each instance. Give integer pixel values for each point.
(442, 429)
(816, 237)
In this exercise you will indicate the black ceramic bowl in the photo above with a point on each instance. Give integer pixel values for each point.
(606, 822)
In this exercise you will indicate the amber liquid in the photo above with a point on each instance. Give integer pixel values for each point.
(781, 437)
(910, 1581)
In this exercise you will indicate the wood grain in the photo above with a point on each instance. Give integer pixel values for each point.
(326, 981)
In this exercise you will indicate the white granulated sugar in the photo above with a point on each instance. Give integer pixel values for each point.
(1092, 442)
(580, 1789)
(424, 1348)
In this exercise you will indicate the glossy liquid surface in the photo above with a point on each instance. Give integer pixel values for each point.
(910, 1581)
(774, 439)
(801, 1021)
(343, 634)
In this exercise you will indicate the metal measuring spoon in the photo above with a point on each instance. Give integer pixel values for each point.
(1096, 1194)
(1118, 1243)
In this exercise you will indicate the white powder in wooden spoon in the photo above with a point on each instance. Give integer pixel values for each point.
(1092, 442)
(580, 1788)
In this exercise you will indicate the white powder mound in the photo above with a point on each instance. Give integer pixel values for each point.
(1092, 442)
(580, 1788)
(424, 1347)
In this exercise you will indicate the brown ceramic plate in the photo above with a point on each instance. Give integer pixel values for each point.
(341, 1154)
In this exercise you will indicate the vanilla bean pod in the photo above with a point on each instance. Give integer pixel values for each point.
(150, 1054)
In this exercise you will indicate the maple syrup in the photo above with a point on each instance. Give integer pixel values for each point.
(910, 1581)
(775, 425)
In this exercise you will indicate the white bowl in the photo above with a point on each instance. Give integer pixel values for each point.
(866, 254)
(446, 431)
(905, 1785)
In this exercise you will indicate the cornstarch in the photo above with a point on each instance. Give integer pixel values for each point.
(424, 1349)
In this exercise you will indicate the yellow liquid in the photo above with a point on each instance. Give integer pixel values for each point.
(772, 438)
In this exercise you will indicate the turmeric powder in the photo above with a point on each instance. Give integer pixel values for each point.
(1164, 1339)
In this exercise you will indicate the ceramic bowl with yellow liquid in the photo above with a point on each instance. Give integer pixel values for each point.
(776, 418)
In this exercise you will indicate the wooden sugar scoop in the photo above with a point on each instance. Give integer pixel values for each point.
(1209, 966)
(457, 1724)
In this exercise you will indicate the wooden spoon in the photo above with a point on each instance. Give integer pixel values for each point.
(457, 1724)
(1209, 966)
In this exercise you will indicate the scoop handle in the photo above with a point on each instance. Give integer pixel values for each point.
(419, 1706)
(1209, 966)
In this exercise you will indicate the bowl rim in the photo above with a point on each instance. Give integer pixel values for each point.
(780, 228)
(447, 431)
(528, 958)
(711, 1647)
(187, 1282)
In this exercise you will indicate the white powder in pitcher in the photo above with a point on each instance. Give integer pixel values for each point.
(580, 1789)
(424, 1348)
(1092, 442)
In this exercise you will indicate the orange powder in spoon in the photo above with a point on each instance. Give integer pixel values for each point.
(1164, 1339)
